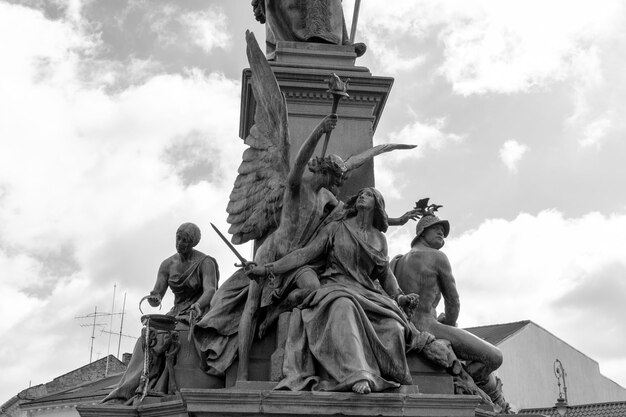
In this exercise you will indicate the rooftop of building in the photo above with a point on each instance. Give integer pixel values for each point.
(610, 409)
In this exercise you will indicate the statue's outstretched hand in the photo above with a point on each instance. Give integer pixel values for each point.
(409, 215)
(154, 300)
(409, 303)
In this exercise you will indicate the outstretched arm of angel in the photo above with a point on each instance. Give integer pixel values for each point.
(356, 161)
(306, 150)
(402, 220)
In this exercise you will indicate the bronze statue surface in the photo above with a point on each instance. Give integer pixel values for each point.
(351, 324)
(282, 207)
(192, 277)
(317, 21)
(426, 270)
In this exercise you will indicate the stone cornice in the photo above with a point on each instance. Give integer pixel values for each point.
(308, 86)
(224, 402)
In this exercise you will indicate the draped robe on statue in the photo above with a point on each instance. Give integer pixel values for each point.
(217, 331)
(349, 330)
(187, 289)
(318, 21)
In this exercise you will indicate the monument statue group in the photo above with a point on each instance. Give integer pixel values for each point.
(321, 291)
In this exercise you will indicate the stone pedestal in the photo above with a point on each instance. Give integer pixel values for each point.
(187, 368)
(237, 402)
(430, 378)
(171, 406)
(302, 71)
(242, 402)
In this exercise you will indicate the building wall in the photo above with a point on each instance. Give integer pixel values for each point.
(62, 411)
(91, 372)
(528, 372)
(13, 411)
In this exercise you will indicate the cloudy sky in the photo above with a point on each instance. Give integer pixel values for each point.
(119, 121)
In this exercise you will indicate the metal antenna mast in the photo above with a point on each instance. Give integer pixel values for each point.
(119, 342)
(106, 368)
(95, 316)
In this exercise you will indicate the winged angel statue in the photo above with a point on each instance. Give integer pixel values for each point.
(279, 206)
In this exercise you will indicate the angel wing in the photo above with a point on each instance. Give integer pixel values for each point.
(256, 199)
(357, 160)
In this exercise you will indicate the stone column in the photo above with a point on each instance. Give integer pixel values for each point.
(302, 71)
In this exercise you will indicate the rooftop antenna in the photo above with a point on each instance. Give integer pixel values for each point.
(106, 368)
(95, 316)
(117, 333)
(120, 334)
(119, 341)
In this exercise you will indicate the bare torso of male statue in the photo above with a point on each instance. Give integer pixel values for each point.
(424, 271)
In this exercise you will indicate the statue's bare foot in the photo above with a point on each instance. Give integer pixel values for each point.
(362, 387)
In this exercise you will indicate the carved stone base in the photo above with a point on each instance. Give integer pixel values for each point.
(231, 402)
(430, 378)
(314, 54)
(187, 368)
(171, 406)
(243, 402)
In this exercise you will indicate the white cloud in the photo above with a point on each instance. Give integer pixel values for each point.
(511, 154)
(88, 196)
(208, 28)
(565, 274)
(495, 46)
(597, 96)
(595, 132)
(427, 136)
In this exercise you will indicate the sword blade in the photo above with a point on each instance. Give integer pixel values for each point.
(230, 245)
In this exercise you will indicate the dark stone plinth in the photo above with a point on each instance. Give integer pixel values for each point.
(314, 54)
(430, 378)
(302, 71)
(187, 368)
(260, 360)
(235, 402)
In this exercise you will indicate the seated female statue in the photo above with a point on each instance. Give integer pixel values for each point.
(352, 333)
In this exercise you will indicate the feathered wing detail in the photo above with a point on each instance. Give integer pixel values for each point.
(256, 200)
(357, 160)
